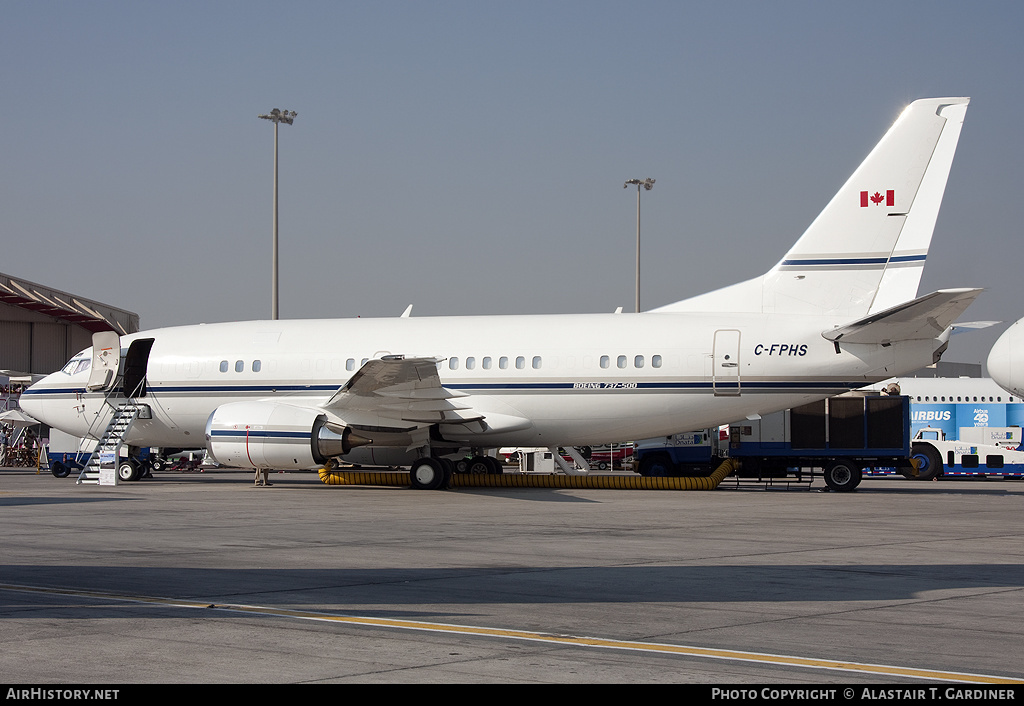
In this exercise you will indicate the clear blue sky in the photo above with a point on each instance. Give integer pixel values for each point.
(468, 157)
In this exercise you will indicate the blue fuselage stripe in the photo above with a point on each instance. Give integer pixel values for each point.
(781, 385)
(853, 260)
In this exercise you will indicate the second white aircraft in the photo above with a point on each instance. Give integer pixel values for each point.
(838, 312)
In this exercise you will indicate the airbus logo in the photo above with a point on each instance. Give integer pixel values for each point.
(932, 416)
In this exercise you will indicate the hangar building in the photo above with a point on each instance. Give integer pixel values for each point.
(41, 327)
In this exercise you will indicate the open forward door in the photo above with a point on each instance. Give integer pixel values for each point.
(106, 359)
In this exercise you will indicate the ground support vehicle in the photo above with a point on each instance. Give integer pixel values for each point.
(67, 453)
(835, 438)
(979, 452)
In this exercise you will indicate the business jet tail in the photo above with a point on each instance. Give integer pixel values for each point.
(865, 252)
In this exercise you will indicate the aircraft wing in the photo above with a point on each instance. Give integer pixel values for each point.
(924, 317)
(400, 388)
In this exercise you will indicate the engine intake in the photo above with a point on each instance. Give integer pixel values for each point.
(274, 435)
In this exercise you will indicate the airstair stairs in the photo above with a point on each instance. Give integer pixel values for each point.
(107, 451)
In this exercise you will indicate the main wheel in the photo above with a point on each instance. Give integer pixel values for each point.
(128, 470)
(427, 474)
(843, 476)
(478, 466)
(929, 461)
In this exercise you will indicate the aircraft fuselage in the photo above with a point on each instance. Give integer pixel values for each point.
(536, 380)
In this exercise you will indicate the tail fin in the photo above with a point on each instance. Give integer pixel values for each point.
(866, 251)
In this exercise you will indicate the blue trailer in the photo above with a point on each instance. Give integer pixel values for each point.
(836, 438)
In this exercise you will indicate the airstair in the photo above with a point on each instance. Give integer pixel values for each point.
(106, 455)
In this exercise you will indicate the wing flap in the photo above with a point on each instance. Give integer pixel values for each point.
(394, 377)
(402, 389)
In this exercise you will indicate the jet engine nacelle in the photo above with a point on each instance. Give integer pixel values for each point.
(276, 436)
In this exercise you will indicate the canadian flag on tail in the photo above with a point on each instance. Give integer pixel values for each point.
(876, 198)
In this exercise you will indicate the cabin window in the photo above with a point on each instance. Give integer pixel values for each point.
(605, 361)
(453, 363)
(223, 366)
(350, 364)
(364, 362)
(536, 362)
(656, 361)
(520, 362)
(470, 363)
(486, 363)
(503, 362)
(621, 361)
(239, 366)
(638, 362)
(256, 366)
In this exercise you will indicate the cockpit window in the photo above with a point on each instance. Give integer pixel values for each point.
(76, 365)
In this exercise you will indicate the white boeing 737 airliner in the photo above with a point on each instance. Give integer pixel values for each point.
(838, 312)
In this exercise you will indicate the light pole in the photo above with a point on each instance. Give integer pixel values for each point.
(648, 184)
(277, 117)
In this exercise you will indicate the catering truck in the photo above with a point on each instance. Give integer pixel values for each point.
(836, 438)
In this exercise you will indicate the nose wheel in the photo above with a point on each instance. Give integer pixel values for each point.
(129, 469)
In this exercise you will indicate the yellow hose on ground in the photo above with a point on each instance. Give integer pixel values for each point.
(332, 476)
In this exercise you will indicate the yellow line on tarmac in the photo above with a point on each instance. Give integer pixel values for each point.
(569, 640)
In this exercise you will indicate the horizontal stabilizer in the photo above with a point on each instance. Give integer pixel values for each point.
(924, 317)
(965, 326)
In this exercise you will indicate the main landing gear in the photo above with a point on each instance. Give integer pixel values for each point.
(430, 473)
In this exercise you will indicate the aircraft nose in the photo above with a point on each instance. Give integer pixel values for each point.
(32, 401)
(29, 403)
(1006, 359)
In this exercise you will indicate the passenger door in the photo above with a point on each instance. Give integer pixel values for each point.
(725, 372)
